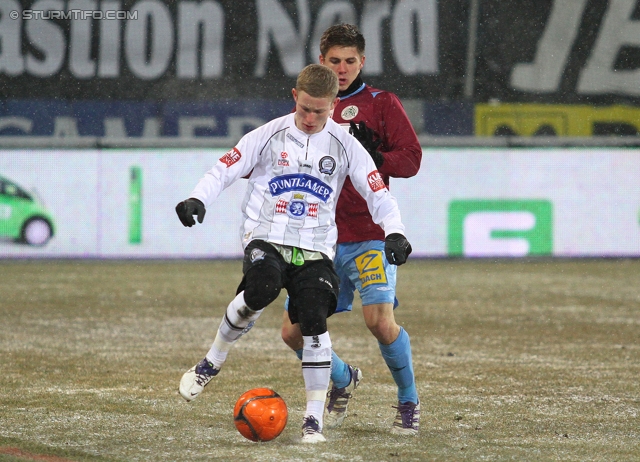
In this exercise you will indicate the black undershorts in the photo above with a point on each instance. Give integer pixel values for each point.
(312, 274)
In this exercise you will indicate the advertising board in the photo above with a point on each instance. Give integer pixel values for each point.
(463, 203)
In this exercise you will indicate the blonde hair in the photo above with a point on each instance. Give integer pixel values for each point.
(318, 81)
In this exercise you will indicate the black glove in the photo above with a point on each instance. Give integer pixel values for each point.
(187, 209)
(364, 134)
(397, 249)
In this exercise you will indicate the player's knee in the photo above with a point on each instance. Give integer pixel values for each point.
(313, 308)
(263, 285)
(291, 336)
(385, 330)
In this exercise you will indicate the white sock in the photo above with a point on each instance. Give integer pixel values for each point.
(237, 317)
(316, 371)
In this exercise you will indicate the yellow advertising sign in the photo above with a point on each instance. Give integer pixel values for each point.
(555, 120)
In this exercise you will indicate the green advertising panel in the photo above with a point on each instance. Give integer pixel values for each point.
(507, 228)
(135, 205)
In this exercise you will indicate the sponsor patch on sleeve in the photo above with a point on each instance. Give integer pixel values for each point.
(231, 157)
(375, 181)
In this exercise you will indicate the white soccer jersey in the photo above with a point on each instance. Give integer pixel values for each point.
(295, 183)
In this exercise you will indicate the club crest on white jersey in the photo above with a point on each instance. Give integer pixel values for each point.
(327, 165)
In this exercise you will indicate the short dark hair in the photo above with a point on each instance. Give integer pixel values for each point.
(342, 35)
(318, 81)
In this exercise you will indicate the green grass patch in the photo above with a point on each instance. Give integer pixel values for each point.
(514, 360)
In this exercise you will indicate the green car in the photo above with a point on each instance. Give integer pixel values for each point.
(23, 217)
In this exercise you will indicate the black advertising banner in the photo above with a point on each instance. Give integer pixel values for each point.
(208, 49)
(542, 51)
(559, 51)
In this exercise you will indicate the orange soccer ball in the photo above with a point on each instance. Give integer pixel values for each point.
(260, 414)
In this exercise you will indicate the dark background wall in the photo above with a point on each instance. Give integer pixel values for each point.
(217, 68)
(210, 50)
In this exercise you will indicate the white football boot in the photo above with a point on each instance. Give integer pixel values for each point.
(407, 419)
(311, 432)
(195, 379)
(336, 409)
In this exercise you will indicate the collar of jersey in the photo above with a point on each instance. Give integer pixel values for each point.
(300, 132)
(358, 83)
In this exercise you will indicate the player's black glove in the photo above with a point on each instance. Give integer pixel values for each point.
(187, 209)
(364, 134)
(397, 248)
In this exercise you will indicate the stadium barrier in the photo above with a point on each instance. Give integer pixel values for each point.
(225, 142)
